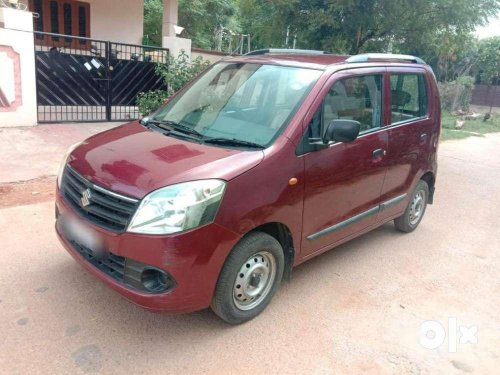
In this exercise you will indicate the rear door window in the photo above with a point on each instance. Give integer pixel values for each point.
(408, 97)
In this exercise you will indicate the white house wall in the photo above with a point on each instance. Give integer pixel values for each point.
(17, 69)
(117, 20)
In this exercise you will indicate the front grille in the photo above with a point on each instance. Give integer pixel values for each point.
(104, 208)
(111, 264)
(128, 272)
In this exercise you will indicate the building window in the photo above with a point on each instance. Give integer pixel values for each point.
(68, 17)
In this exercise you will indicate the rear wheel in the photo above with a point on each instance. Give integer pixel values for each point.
(249, 278)
(414, 213)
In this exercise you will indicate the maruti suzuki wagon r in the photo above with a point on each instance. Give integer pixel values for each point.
(261, 163)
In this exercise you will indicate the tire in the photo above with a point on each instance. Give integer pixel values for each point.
(409, 221)
(249, 278)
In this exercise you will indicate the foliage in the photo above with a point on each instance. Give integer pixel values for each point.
(450, 54)
(179, 71)
(457, 94)
(353, 26)
(153, 13)
(176, 73)
(200, 18)
(488, 61)
(439, 31)
(148, 102)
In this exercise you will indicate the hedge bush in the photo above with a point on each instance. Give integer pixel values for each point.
(456, 95)
(176, 73)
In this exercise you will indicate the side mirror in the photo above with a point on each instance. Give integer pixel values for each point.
(342, 131)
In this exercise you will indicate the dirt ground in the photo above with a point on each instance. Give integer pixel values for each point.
(29, 153)
(40, 189)
(357, 309)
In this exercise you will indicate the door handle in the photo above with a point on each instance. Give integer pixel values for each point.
(378, 153)
(423, 137)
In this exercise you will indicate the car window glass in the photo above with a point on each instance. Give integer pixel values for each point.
(242, 101)
(356, 98)
(408, 97)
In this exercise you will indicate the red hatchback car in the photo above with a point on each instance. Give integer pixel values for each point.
(261, 163)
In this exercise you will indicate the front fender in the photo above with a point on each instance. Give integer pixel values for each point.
(263, 194)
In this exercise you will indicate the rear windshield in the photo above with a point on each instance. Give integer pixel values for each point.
(249, 102)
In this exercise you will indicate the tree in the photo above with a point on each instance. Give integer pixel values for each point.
(450, 54)
(439, 31)
(153, 15)
(200, 19)
(176, 73)
(488, 62)
(353, 26)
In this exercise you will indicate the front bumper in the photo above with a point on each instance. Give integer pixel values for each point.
(193, 259)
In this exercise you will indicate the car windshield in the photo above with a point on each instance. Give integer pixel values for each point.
(240, 102)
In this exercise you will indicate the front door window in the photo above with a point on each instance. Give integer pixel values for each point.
(356, 98)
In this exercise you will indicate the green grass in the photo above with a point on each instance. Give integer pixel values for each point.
(471, 128)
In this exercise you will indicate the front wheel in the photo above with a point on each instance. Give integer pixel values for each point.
(250, 277)
(414, 213)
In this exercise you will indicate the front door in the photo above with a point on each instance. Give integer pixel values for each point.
(343, 182)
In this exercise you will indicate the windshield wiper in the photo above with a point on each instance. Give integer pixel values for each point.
(169, 126)
(179, 127)
(233, 142)
(172, 126)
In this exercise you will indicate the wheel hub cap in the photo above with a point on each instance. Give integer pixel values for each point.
(417, 207)
(254, 280)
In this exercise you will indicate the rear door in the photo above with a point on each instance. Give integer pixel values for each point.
(410, 132)
(343, 181)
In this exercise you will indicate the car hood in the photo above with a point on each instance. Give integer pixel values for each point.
(134, 161)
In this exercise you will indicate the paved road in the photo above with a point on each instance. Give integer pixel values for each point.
(356, 309)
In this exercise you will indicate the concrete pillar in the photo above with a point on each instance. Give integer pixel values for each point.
(169, 39)
(17, 69)
(170, 17)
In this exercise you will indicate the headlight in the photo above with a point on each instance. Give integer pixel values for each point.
(64, 161)
(178, 207)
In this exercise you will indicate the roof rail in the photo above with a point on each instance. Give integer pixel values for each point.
(284, 51)
(367, 57)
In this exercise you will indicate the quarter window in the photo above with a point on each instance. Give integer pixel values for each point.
(408, 97)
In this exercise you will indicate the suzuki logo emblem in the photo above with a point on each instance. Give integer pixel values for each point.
(86, 195)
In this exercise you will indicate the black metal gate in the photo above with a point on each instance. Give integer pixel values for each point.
(90, 80)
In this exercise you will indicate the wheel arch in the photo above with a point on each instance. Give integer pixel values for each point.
(284, 236)
(430, 179)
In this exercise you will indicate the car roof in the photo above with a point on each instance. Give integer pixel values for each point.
(322, 60)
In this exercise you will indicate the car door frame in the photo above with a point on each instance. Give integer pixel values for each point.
(334, 77)
(413, 129)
